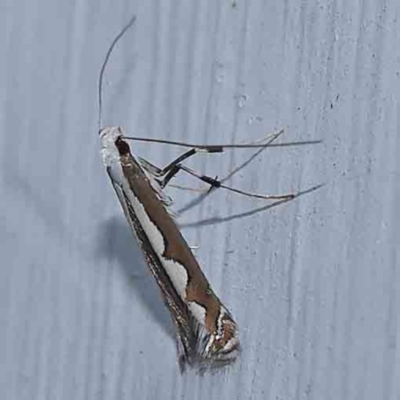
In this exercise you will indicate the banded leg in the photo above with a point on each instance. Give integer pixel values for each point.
(160, 172)
(215, 183)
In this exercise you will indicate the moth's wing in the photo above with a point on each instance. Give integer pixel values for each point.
(187, 326)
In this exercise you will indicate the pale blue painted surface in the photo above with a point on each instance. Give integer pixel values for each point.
(312, 283)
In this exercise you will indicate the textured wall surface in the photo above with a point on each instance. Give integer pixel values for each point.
(312, 283)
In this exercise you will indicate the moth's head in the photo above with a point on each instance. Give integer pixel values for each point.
(112, 144)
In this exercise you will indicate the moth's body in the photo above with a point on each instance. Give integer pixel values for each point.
(206, 329)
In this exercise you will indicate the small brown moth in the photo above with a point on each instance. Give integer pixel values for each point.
(207, 332)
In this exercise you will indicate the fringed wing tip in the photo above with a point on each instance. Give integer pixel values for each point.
(193, 353)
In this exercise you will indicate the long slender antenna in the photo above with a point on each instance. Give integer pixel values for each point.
(103, 67)
(213, 148)
(217, 147)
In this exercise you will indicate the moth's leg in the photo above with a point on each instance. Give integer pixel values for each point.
(215, 183)
(171, 169)
(160, 172)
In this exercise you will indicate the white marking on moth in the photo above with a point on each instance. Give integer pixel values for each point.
(230, 344)
(228, 351)
(175, 271)
(111, 159)
(222, 313)
(217, 336)
(109, 151)
(210, 343)
(198, 311)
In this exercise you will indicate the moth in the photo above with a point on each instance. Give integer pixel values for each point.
(207, 332)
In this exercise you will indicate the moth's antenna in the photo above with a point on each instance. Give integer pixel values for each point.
(103, 67)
